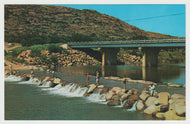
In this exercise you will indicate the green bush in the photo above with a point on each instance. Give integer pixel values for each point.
(36, 50)
(54, 48)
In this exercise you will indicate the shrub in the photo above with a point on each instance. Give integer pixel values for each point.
(36, 50)
(54, 48)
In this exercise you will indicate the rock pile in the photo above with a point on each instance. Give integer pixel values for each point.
(73, 57)
(129, 59)
(163, 105)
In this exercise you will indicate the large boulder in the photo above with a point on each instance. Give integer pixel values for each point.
(104, 90)
(101, 86)
(51, 84)
(163, 108)
(140, 105)
(125, 96)
(129, 103)
(57, 80)
(152, 109)
(91, 88)
(173, 102)
(109, 95)
(120, 93)
(180, 109)
(150, 101)
(134, 91)
(163, 98)
(115, 101)
(160, 115)
(143, 96)
(177, 96)
(46, 79)
(171, 115)
(116, 89)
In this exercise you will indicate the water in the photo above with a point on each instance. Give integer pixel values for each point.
(28, 101)
(165, 73)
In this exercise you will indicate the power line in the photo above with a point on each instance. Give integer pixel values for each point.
(153, 17)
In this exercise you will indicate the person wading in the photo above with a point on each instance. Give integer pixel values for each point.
(124, 82)
(10, 68)
(97, 78)
(87, 76)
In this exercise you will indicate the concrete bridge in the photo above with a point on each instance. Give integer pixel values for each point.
(150, 48)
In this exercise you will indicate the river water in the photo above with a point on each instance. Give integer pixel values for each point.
(163, 74)
(28, 101)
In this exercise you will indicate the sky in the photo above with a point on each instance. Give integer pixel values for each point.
(165, 19)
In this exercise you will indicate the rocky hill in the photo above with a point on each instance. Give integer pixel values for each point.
(64, 22)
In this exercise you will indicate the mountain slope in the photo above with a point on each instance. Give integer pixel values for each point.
(64, 22)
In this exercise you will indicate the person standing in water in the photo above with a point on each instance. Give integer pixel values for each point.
(97, 78)
(124, 82)
(87, 76)
(32, 73)
(10, 68)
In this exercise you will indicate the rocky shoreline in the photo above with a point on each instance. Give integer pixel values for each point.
(163, 105)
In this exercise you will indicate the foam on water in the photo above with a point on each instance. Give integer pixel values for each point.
(45, 84)
(133, 107)
(13, 78)
(30, 81)
(69, 90)
(97, 97)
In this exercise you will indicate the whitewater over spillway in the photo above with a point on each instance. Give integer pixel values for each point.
(68, 90)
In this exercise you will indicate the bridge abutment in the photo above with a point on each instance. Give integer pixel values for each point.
(109, 56)
(150, 56)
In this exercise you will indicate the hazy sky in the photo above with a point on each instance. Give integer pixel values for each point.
(165, 19)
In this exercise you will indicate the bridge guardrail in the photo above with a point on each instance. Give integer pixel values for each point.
(128, 42)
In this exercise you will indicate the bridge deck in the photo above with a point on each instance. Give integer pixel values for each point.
(130, 43)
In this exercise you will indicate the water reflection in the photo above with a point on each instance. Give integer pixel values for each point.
(163, 73)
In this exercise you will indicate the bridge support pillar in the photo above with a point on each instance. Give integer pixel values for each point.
(150, 56)
(109, 56)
